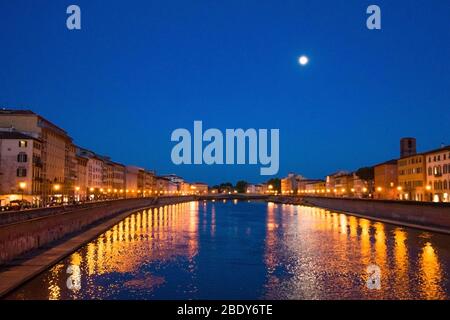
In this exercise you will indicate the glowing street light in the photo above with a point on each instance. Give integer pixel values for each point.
(22, 187)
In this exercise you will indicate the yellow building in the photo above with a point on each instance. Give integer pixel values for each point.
(200, 188)
(343, 185)
(289, 184)
(386, 181)
(411, 172)
(317, 187)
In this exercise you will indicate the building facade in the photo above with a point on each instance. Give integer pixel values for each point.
(114, 175)
(55, 152)
(289, 184)
(20, 168)
(411, 173)
(81, 185)
(386, 181)
(438, 174)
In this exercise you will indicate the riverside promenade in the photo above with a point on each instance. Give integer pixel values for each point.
(33, 240)
(429, 216)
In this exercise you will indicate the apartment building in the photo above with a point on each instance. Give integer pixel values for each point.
(438, 174)
(55, 151)
(289, 184)
(94, 171)
(411, 173)
(317, 187)
(114, 178)
(149, 182)
(386, 181)
(20, 168)
(200, 187)
(81, 185)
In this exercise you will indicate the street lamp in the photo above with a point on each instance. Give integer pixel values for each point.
(22, 187)
(56, 188)
(77, 191)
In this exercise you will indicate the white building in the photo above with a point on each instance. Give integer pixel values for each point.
(438, 174)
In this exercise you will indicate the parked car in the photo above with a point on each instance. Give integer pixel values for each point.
(20, 204)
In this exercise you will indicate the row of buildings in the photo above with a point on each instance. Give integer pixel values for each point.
(41, 164)
(341, 183)
(413, 176)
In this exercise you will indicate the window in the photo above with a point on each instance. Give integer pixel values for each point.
(21, 172)
(430, 171)
(22, 157)
(23, 144)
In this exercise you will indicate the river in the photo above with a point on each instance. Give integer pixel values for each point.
(249, 250)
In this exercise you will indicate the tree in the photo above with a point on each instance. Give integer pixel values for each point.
(275, 183)
(241, 186)
(366, 173)
(224, 187)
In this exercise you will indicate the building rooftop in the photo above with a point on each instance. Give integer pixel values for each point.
(424, 153)
(445, 148)
(393, 161)
(16, 135)
(12, 111)
(44, 121)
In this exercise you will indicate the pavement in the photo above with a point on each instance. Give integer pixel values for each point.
(19, 271)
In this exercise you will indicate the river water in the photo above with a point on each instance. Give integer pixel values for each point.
(250, 250)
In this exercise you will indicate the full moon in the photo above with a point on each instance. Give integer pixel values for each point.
(303, 60)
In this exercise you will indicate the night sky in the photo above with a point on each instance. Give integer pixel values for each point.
(140, 69)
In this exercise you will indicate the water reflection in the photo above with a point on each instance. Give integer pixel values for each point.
(325, 255)
(242, 250)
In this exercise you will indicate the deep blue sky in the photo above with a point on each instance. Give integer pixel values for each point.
(140, 69)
